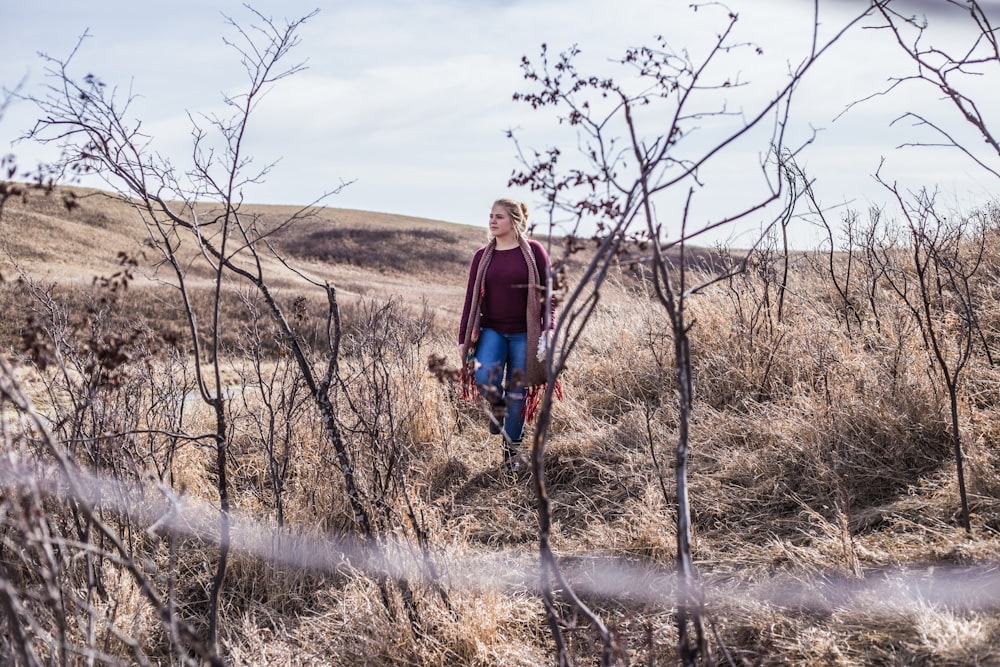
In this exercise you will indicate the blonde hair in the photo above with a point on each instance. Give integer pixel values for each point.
(518, 212)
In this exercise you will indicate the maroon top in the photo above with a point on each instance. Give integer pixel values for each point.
(504, 304)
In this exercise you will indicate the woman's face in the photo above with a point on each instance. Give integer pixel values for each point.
(501, 226)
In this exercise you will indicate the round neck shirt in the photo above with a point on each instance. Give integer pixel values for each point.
(504, 303)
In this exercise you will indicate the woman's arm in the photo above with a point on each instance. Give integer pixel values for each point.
(544, 271)
(473, 269)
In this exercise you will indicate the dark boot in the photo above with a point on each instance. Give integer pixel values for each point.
(512, 462)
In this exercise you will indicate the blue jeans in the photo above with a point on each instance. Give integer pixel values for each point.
(497, 353)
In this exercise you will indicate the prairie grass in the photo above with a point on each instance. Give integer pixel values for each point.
(822, 481)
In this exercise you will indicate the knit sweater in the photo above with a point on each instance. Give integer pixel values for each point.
(504, 304)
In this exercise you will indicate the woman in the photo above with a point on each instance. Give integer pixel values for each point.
(502, 323)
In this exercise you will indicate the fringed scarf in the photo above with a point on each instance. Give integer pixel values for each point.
(535, 376)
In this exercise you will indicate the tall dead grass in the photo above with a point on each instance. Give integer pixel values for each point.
(821, 476)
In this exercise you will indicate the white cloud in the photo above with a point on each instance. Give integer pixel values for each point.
(412, 99)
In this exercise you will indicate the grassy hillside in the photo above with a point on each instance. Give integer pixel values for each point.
(825, 506)
(79, 241)
(364, 255)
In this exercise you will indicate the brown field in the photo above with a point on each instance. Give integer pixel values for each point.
(824, 500)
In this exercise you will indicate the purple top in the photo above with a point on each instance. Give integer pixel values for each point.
(504, 305)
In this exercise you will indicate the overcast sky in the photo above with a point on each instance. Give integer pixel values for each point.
(411, 100)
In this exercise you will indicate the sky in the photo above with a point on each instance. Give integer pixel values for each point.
(409, 103)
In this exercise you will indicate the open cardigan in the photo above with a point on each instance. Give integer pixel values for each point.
(538, 307)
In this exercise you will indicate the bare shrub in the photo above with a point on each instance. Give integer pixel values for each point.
(807, 419)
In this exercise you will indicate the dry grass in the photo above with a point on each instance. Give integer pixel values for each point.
(822, 482)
